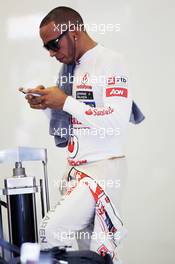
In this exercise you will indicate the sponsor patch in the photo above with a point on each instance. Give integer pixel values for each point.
(84, 83)
(73, 146)
(85, 95)
(83, 86)
(74, 121)
(99, 112)
(113, 80)
(76, 163)
(102, 250)
(85, 78)
(117, 91)
(92, 104)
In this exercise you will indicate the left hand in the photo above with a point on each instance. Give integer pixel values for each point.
(52, 97)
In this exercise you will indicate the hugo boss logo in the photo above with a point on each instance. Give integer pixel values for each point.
(84, 95)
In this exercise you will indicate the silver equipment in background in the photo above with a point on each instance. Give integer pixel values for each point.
(20, 191)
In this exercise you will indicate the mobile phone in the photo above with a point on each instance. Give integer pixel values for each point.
(24, 91)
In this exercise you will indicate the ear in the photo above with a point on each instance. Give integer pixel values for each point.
(75, 34)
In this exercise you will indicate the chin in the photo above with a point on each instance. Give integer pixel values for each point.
(65, 61)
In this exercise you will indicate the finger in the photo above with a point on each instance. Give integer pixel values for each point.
(29, 97)
(40, 87)
(35, 99)
(38, 106)
(20, 89)
(38, 90)
(34, 103)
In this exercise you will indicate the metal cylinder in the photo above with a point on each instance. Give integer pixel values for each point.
(20, 191)
(22, 218)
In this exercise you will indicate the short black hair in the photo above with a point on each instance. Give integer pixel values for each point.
(62, 15)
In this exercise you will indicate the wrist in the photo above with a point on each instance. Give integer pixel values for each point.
(64, 100)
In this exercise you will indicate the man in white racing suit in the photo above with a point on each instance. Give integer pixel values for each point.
(100, 107)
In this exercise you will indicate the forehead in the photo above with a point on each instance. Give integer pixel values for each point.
(49, 32)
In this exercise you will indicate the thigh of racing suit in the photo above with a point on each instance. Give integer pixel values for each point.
(73, 213)
(111, 175)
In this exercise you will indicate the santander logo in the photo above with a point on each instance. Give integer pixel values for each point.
(101, 112)
(89, 112)
(116, 92)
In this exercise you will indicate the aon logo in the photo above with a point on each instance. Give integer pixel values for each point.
(116, 92)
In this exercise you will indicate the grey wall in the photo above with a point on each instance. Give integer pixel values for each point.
(146, 39)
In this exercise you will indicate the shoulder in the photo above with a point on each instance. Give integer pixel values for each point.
(110, 61)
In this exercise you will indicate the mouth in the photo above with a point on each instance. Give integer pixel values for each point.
(60, 59)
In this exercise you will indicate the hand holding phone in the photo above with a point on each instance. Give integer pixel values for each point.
(35, 100)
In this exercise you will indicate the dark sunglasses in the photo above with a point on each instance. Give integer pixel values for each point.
(54, 43)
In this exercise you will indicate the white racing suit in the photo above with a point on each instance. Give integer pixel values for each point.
(86, 213)
(100, 109)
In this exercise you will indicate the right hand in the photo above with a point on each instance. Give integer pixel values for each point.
(36, 102)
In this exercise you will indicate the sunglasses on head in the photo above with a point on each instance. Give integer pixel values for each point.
(54, 43)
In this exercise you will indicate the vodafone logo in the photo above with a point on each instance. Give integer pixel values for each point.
(73, 146)
(85, 78)
(117, 92)
(102, 112)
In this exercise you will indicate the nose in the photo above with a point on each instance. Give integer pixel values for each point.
(52, 53)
